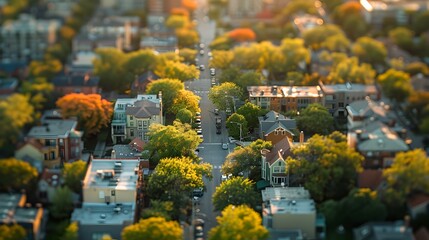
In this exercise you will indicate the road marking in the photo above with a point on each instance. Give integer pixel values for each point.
(210, 144)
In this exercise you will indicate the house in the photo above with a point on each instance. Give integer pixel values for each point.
(110, 190)
(76, 83)
(284, 98)
(338, 96)
(360, 111)
(274, 127)
(162, 7)
(274, 163)
(140, 82)
(31, 151)
(60, 142)
(7, 86)
(133, 116)
(159, 37)
(418, 203)
(291, 209)
(304, 22)
(50, 180)
(420, 82)
(14, 210)
(383, 230)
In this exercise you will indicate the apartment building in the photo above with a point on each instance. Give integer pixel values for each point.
(133, 116)
(26, 38)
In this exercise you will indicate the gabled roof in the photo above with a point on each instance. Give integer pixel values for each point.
(143, 109)
(273, 120)
(279, 151)
(32, 142)
(137, 144)
(378, 137)
(370, 109)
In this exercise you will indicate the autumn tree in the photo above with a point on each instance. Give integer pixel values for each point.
(187, 38)
(45, 69)
(297, 7)
(15, 113)
(170, 88)
(222, 42)
(71, 232)
(237, 126)
(186, 99)
(326, 166)
(21, 172)
(337, 43)
(223, 95)
(246, 160)
(239, 222)
(74, 174)
(242, 35)
(191, 5)
(221, 59)
(109, 66)
(251, 112)
(349, 16)
(246, 57)
(316, 36)
(370, 51)
(315, 118)
(153, 228)
(295, 53)
(349, 70)
(418, 104)
(172, 141)
(188, 55)
(158, 208)
(12, 232)
(62, 204)
(184, 116)
(235, 191)
(177, 70)
(395, 84)
(93, 112)
(176, 21)
(39, 92)
(403, 37)
(139, 62)
(415, 68)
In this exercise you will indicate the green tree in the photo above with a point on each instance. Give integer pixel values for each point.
(408, 172)
(186, 99)
(39, 92)
(109, 66)
(420, 25)
(251, 112)
(370, 51)
(316, 36)
(73, 175)
(230, 74)
(235, 191)
(295, 53)
(403, 37)
(170, 89)
(315, 118)
(246, 57)
(221, 43)
(395, 84)
(45, 69)
(188, 55)
(62, 204)
(237, 123)
(139, 62)
(418, 102)
(93, 112)
(239, 222)
(349, 70)
(177, 21)
(12, 232)
(187, 38)
(21, 172)
(155, 228)
(184, 116)
(221, 59)
(349, 16)
(158, 208)
(172, 141)
(326, 166)
(15, 113)
(177, 70)
(246, 160)
(248, 79)
(71, 232)
(223, 95)
(415, 68)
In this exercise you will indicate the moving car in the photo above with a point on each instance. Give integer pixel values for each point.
(224, 146)
(218, 131)
(202, 68)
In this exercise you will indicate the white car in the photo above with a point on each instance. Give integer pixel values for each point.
(225, 146)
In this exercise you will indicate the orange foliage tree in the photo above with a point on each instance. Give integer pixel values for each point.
(92, 112)
(179, 11)
(242, 34)
(191, 5)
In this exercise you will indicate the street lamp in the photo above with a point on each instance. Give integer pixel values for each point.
(233, 101)
(241, 125)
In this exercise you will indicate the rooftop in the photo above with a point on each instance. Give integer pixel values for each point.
(124, 152)
(382, 231)
(289, 206)
(53, 129)
(120, 174)
(348, 87)
(122, 102)
(386, 5)
(285, 193)
(103, 214)
(284, 91)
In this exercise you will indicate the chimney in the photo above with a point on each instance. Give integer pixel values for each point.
(301, 137)
(358, 134)
(113, 155)
(86, 79)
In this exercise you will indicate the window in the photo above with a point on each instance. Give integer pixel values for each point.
(131, 132)
(112, 193)
(52, 155)
(340, 104)
(61, 142)
(132, 124)
(46, 156)
(144, 124)
(131, 118)
(140, 123)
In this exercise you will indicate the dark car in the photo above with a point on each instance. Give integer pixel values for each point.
(218, 131)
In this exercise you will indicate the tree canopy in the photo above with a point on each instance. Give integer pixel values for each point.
(109, 66)
(92, 112)
(12, 232)
(177, 70)
(395, 84)
(237, 124)
(315, 118)
(250, 112)
(235, 191)
(326, 166)
(239, 222)
(170, 88)
(155, 228)
(62, 204)
(186, 99)
(74, 174)
(370, 51)
(16, 174)
(223, 95)
(242, 34)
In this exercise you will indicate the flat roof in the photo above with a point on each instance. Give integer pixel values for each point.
(287, 206)
(124, 152)
(53, 128)
(103, 214)
(120, 174)
(284, 91)
(271, 193)
(349, 87)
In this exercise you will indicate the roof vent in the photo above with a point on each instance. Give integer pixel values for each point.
(102, 216)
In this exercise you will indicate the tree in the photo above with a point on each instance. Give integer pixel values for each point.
(349, 17)
(184, 116)
(139, 62)
(221, 95)
(177, 70)
(420, 25)
(12, 232)
(15, 113)
(395, 84)
(221, 59)
(73, 175)
(188, 55)
(186, 99)
(403, 37)
(62, 204)
(16, 174)
(153, 228)
(418, 102)
(235, 191)
(39, 92)
(242, 35)
(177, 21)
(71, 232)
(296, 7)
(336, 43)
(370, 51)
(415, 68)
(239, 222)
(174, 179)
(251, 112)
(172, 141)
(170, 89)
(316, 36)
(158, 208)
(92, 112)
(109, 66)
(359, 207)
(315, 118)
(45, 69)
(248, 79)
(246, 57)
(186, 38)
(326, 166)
(246, 160)
(295, 53)
(408, 172)
(349, 70)
(237, 126)
(191, 5)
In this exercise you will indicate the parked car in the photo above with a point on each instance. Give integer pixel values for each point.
(218, 131)
(202, 68)
(198, 192)
(216, 111)
(224, 146)
(199, 231)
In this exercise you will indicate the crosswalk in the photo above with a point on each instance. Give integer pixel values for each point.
(201, 92)
(217, 167)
